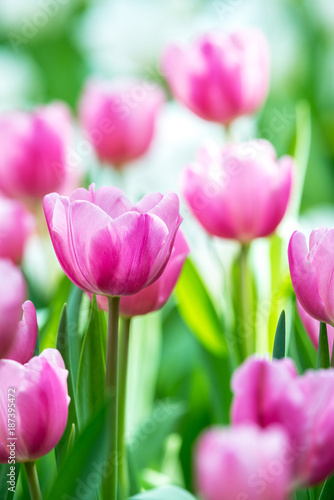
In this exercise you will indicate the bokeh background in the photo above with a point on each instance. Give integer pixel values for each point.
(47, 51)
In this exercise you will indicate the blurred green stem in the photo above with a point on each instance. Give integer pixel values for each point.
(35, 491)
(123, 474)
(247, 346)
(110, 491)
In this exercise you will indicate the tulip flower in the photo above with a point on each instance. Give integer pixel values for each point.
(271, 393)
(23, 346)
(16, 225)
(33, 151)
(119, 118)
(41, 405)
(312, 327)
(241, 192)
(220, 76)
(154, 296)
(108, 246)
(12, 295)
(243, 463)
(312, 272)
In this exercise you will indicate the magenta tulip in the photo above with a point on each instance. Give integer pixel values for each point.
(154, 296)
(241, 192)
(312, 272)
(12, 295)
(271, 393)
(33, 151)
(108, 246)
(243, 463)
(39, 392)
(220, 76)
(119, 118)
(312, 327)
(16, 225)
(23, 347)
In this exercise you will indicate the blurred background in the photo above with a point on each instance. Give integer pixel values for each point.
(48, 48)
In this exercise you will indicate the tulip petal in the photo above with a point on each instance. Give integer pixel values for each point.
(323, 263)
(22, 350)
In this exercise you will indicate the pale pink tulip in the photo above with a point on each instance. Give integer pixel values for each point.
(39, 394)
(240, 192)
(33, 151)
(108, 246)
(243, 463)
(220, 76)
(119, 118)
(312, 272)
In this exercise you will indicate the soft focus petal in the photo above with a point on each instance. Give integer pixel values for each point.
(22, 349)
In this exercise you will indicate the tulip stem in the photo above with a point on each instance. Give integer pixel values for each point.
(246, 303)
(123, 369)
(34, 488)
(112, 389)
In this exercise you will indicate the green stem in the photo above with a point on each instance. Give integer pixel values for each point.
(35, 491)
(123, 474)
(248, 346)
(112, 389)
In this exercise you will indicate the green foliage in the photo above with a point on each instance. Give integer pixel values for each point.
(279, 344)
(167, 493)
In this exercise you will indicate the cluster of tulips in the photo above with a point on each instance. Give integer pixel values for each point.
(130, 255)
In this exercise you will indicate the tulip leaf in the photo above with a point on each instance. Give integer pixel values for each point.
(63, 347)
(91, 375)
(84, 468)
(279, 343)
(198, 311)
(74, 339)
(165, 493)
(149, 439)
(327, 490)
(323, 360)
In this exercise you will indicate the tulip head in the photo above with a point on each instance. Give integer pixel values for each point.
(241, 463)
(33, 151)
(240, 192)
(312, 327)
(220, 76)
(108, 246)
(39, 392)
(119, 118)
(312, 272)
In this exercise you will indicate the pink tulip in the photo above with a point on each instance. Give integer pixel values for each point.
(243, 463)
(220, 76)
(39, 391)
(12, 295)
(271, 393)
(108, 246)
(23, 346)
(119, 118)
(241, 192)
(33, 151)
(16, 225)
(312, 327)
(312, 272)
(154, 296)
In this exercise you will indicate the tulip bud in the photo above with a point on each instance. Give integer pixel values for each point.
(243, 463)
(220, 77)
(108, 246)
(16, 225)
(33, 151)
(240, 192)
(312, 272)
(119, 118)
(39, 393)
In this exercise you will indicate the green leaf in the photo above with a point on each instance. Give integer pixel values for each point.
(300, 347)
(166, 493)
(4, 470)
(323, 360)
(279, 343)
(64, 349)
(148, 441)
(197, 309)
(84, 469)
(327, 490)
(74, 338)
(91, 376)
